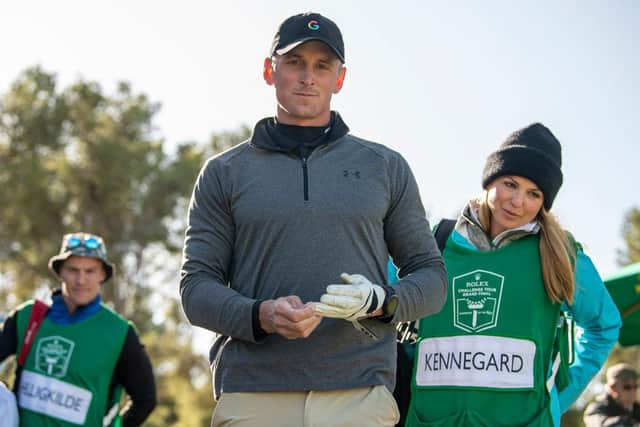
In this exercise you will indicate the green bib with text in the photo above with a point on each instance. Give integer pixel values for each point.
(66, 377)
(483, 359)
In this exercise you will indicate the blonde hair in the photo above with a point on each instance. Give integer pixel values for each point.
(557, 252)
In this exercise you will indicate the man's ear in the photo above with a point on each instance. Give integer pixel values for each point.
(103, 273)
(340, 80)
(267, 71)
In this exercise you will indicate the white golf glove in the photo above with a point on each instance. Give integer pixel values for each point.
(355, 300)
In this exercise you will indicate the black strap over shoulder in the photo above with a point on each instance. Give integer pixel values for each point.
(442, 232)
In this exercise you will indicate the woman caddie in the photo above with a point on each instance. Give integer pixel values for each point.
(497, 353)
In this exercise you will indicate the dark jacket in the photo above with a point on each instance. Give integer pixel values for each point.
(606, 412)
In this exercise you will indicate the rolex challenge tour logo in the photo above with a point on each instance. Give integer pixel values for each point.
(52, 356)
(477, 298)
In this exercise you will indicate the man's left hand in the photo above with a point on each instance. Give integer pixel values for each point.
(358, 298)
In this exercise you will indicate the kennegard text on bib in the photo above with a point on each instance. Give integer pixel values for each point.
(476, 361)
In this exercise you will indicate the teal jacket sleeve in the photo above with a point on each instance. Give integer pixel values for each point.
(392, 272)
(598, 319)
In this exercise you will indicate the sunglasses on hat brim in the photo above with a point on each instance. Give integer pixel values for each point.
(88, 241)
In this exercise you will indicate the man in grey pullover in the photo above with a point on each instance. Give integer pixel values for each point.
(275, 221)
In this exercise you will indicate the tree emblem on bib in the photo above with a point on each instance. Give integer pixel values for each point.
(53, 355)
(476, 300)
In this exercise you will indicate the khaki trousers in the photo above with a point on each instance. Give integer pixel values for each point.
(360, 407)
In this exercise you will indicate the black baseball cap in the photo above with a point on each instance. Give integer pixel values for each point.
(304, 27)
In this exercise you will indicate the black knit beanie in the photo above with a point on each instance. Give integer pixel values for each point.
(532, 152)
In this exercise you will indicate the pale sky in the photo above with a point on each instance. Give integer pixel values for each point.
(443, 83)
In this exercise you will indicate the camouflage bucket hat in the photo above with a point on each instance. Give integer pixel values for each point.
(81, 244)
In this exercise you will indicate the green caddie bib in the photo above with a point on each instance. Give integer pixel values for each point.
(483, 359)
(65, 379)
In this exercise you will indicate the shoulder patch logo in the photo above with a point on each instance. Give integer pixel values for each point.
(476, 300)
(53, 355)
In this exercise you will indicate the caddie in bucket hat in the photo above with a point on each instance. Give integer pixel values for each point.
(56, 347)
(82, 244)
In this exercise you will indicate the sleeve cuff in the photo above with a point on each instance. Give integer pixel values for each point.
(259, 334)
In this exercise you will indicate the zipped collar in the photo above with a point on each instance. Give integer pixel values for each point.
(266, 136)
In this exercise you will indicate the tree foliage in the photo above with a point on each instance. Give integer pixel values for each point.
(630, 354)
(631, 235)
(75, 158)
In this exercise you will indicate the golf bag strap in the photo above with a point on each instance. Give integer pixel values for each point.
(38, 312)
(442, 232)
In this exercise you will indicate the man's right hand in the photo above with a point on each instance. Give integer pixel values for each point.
(289, 317)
